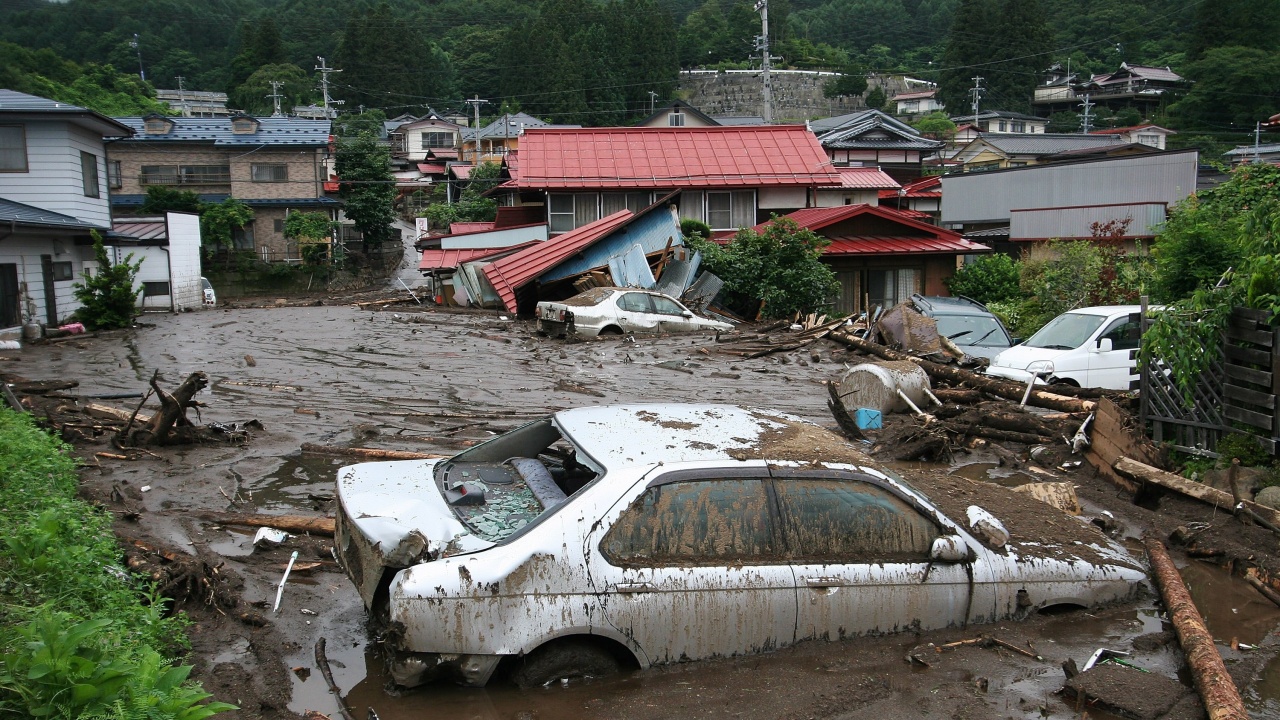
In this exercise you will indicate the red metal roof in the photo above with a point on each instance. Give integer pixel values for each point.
(469, 227)
(462, 172)
(665, 157)
(868, 178)
(437, 259)
(431, 168)
(877, 245)
(515, 271)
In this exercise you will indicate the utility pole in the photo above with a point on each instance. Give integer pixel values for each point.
(976, 93)
(652, 97)
(1086, 117)
(762, 6)
(275, 97)
(182, 97)
(137, 45)
(1257, 142)
(475, 103)
(324, 88)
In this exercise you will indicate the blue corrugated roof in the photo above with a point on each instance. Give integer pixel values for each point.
(17, 212)
(137, 200)
(217, 131)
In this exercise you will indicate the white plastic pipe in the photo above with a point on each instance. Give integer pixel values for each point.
(280, 590)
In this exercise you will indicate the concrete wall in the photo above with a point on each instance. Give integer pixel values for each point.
(53, 180)
(797, 94)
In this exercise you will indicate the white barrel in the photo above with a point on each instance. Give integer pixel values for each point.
(875, 385)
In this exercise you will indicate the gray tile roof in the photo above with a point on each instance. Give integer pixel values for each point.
(14, 103)
(1047, 143)
(885, 133)
(996, 115)
(279, 131)
(1246, 150)
(509, 126)
(22, 214)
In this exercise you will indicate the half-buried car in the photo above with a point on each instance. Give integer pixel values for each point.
(605, 537)
(614, 311)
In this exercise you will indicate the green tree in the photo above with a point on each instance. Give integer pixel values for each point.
(1241, 23)
(990, 278)
(161, 199)
(1006, 42)
(876, 98)
(936, 125)
(108, 299)
(1063, 121)
(1233, 85)
(219, 222)
(366, 185)
(780, 268)
(260, 44)
(416, 74)
(471, 206)
(297, 89)
(851, 82)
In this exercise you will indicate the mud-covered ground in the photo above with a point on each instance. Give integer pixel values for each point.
(428, 381)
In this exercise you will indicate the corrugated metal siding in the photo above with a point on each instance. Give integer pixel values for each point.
(650, 231)
(990, 197)
(1074, 222)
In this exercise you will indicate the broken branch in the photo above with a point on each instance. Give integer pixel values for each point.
(370, 453)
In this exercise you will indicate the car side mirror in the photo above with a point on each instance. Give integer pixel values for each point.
(1104, 345)
(1015, 341)
(950, 549)
(687, 313)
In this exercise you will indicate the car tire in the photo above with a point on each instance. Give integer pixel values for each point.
(564, 659)
(611, 330)
(1063, 381)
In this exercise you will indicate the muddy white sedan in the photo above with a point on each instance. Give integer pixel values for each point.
(614, 311)
(626, 536)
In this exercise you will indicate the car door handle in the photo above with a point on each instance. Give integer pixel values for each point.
(640, 587)
(822, 582)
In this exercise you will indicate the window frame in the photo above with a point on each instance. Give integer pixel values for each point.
(20, 146)
(450, 141)
(675, 119)
(204, 175)
(115, 178)
(89, 176)
(271, 169)
(149, 174)
(63, 271)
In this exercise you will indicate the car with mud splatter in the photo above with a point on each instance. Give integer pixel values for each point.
(614, 311)
(605, 537)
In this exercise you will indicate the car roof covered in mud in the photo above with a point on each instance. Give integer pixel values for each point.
(634, 435)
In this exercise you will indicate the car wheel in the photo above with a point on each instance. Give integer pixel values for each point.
(565, 660)
(611, 330)
(1063, 381)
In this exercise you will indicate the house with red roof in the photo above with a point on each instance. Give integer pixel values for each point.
(727, 177)
(882, 256)
(921, 200)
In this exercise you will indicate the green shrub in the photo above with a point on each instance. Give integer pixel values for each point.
(108, 299)
(1244, 447)
(689, 226)
(989, 279)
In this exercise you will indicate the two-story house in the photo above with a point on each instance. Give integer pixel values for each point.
(53, 194)
(920, 102)
(726, 177)
(1003, 121)
(495, 141)
(870, 138)
(275, 165)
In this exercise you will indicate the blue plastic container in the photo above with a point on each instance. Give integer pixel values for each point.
(867, 419)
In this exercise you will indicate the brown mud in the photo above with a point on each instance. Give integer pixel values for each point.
(405, 379)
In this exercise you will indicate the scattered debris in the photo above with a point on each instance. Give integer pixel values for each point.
(367, 453)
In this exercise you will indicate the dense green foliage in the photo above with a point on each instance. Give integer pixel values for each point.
(95, 86)
(779, 267)
(368, 187)
(108, 298)
(218, 223)
(76, 637)
(1006, 43)
(990, 278)
(162, 198)
(471, 206)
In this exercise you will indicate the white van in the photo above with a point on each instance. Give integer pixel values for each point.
(1088, 347)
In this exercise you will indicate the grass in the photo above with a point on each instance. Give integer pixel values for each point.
(80, 637)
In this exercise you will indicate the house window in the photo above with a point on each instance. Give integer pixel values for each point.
(205, 174)
(437, 140)
(675, 119)
(560, 214)
(158, 175)
(1019, 126)
(242, 238)
(1004, 126)
(1152, 140)
(277, 225)
(155, 289)
(269, 173)
(113, 175)
(89, 174)
(731, 210)
(157, 126)
(13, 148)
(244, 126)
(63, 271)
(890, 287)
(611, 203)
(692, 206)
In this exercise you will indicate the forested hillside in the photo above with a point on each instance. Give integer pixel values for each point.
(597, 61)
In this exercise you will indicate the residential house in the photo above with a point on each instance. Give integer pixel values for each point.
(919, 200)
(1140, 86)
(1000, 151)
(870, 138)
(882, 256)
(53, 195)
(1070, 200)
(1002, 121)
(737, 120)
(678, 114)
(727, 177)
(495, 141)
(915, 104)
(275, 165)
(858, 186)
(168, 250)
(1056, 88)
(1145, 134)
(1263, 152)
(195, 103)
(412, 141)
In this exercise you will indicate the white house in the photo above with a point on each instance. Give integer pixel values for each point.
(1145, 134)
(169, 249)
(53, 194)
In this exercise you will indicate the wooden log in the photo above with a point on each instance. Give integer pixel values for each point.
(109, 413)
(1262, 587)
(12, 399)
(1219, 693)
(368, 453)
(960, 396)
(322, 662)
(959, 376)
(1212, 496)
(975, 430)
(296, 524)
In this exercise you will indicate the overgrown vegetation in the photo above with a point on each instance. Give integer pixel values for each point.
(368, 187)
(989, 279)
(108, 298)
(79, 636)
(471, 205)
(779, 268)
(219, 223)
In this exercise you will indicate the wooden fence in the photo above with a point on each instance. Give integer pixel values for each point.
(1240, 387)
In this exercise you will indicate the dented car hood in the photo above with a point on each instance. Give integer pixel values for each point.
(399, 508)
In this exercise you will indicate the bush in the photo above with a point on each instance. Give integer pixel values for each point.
(108, 299)
(689, 227)
(990, 279)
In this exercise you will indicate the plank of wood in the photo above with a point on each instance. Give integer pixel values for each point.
(1212, 496)
(296, 524)
(109, 413)
(1248, 355)
(1253, 397)
(1248, 417)
(1259, 377)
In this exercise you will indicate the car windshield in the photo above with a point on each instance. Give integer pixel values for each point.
(972, 330)
(1066, 332)
(500, 486)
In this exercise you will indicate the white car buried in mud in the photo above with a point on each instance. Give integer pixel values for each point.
(613, 311)
(606, 537)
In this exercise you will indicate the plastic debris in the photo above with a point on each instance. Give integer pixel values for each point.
(269, 537)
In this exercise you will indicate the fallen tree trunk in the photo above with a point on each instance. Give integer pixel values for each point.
(107, 412)
(170, 425)
(368, 453)
(1221, 698)
(296, 524)
(957, 376)
(977, 430)
(1220, 498)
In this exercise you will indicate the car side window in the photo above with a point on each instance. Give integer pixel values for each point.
(666, 306)
(699, 522)
(1125, 334)
(635, 302)
(845, 521)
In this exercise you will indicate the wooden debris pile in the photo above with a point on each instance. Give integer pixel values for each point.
(777, 337)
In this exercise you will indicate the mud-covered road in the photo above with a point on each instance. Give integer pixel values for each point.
(435, 381)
